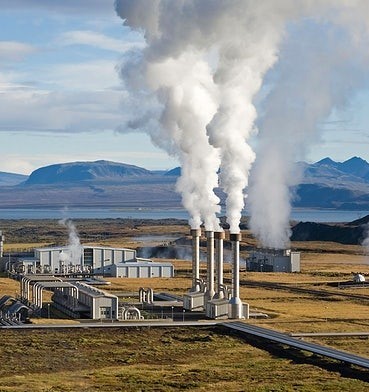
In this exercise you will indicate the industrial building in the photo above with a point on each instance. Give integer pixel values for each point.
(104, 261)
(92, 303)
(76, 299)
(273, 260)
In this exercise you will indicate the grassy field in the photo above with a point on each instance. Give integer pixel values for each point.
(160, 360)
(188, 359)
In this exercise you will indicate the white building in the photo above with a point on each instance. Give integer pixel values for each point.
(93, 303)
(273, 260)
(74, 298)
(105, 261)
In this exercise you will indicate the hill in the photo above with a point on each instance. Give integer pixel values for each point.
(84, 171)
(9, 179)
(349, 234)
(93, 184)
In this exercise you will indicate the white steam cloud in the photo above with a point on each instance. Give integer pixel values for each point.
(74, 247)
(365, 241)
(195, 82)
(316, 75)
(204, 64)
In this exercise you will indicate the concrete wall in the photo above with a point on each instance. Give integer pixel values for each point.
(295, 262)
(154, 270)
(105, 308)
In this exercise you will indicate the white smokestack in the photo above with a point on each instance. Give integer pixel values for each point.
(235, 301)
(1, 244)
(219, 237)
(210, 265)
(195, 234)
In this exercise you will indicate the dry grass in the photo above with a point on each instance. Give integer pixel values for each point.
(9, 287)
(28, 245)
(157, 360)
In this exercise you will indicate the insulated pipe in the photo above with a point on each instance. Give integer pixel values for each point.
(219, 237)
(210, 265)
(34, 294)
(141, 294)
(195, 233)
(40, 296)
(150, 293)
(26, 288)
(22, 287)
(235, 301)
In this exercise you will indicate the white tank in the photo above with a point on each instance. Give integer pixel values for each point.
(359, 278)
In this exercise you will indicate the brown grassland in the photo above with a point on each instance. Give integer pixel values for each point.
(206, 359)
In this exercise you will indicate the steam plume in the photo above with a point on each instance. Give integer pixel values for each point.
(203, 64)
(191, 49)
(75, 248)
(310, 85)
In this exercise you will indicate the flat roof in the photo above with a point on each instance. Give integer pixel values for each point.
(92, 291)
(61, 248)
(142, 264)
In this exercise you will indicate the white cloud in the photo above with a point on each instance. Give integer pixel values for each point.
(87, 76)
(15, 163)
(37, 111)
(97, 40)
(95, 7)
(66, 98)
(14, 51)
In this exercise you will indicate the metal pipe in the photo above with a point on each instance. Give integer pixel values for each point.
(219, 237)
(195, 233)
(235, 301)
(210, 265)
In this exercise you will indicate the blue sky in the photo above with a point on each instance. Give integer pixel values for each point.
(61, 98)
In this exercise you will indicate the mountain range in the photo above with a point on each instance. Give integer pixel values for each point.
(325, 184)
(330, 184)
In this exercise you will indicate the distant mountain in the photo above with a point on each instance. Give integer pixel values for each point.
(84, 171)
(9, 179)
(355, 166)
(176, 172)
(94, 184)
(325, 184)
(330, 184)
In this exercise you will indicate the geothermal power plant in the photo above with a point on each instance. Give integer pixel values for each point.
(69, 274)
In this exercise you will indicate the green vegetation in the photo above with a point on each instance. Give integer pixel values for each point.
(150, 359)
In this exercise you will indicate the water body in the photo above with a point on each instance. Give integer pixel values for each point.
(298, 214)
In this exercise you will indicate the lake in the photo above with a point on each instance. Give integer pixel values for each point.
(298, 214)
